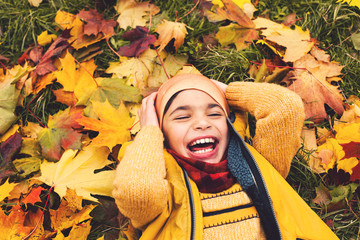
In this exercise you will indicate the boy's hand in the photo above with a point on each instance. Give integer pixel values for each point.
(147, 112)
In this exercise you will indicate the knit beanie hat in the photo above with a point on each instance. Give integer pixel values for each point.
(186, 82)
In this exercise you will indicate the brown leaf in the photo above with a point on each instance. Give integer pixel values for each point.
(323, 196)
(309, 82)
(95, 23)
(7, 151)
(45, 65)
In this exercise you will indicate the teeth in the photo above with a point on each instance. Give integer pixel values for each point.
(203, 151)
(202, 141)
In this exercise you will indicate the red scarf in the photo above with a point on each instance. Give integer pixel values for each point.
(209, 177)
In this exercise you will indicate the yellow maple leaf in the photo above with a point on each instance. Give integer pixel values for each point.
(132, 13)
(77, 79)
(352, 2)
(45, 38)
(347, 164)
(113, 127)
(296, 41)
(136, 70)
(330, 153)
(168, 30)
(65, 19)
(75, 170)
(5, 189)
(347, 132)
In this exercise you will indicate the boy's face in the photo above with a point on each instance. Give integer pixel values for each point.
(195, 127)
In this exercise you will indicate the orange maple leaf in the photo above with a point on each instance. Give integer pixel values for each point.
(170, 30)
(33, 196)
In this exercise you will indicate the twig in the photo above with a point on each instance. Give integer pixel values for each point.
(178, 19)
(107, 41)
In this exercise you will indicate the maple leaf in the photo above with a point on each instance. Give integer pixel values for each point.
(113, 126)
(60, 134)
(323, 196)
(171, 63)
(45, 38)
(351, 149)
(64, 19)
(133, 14)
(136, 70)
(17, 225)
(347, 132)
(7, 151)
(5, 189)
(330, 153)
(67, 216)
(77, 79)
(311, 85)
(95, 23)
(41, 82)
(140, 41)
(115, 90)
(167, 31)
(296, 41)
(33, 196)
(45, 64)
(33, 53)
(234, 33)
(26, 166)
(75, 170)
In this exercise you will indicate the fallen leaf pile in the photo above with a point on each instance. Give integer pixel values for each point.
(57, 175)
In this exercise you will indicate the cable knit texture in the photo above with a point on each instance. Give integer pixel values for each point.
(280, 115)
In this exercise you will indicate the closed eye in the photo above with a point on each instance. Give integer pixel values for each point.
(181, 117)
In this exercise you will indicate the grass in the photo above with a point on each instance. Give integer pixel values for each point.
(330, 22)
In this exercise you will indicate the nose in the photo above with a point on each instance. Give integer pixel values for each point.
(201, 124)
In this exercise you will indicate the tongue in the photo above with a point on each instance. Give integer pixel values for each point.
(198, 147)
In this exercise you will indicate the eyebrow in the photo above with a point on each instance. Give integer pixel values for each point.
(186, 107)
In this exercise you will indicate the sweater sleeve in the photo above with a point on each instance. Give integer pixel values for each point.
(280, 116)
(140, 188)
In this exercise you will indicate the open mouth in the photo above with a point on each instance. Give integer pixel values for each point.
(202, 145)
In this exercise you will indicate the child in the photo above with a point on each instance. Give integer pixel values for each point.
(208, 183)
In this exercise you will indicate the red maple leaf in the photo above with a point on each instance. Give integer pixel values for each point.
(95, 23)
(140, 41)
(352, 149)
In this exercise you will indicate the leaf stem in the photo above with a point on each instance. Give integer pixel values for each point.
(162, 64)
(42, 214)
(97, 85)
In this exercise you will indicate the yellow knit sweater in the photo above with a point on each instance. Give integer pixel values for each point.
(141, 188)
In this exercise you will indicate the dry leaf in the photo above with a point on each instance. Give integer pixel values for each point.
(234, 33)
(75, 170)
(60, 134)
(311, 85)
(136, 70)
(113, 126)
(297, 42)
(77, 79)
(5, 189)
(170, 30)
(35, 3)
(133, 14)
(45, 38)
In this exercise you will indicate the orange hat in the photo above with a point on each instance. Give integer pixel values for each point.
(186, 82)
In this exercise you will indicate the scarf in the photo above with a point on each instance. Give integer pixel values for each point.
(209, 177)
